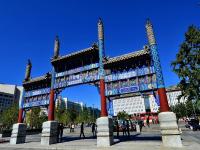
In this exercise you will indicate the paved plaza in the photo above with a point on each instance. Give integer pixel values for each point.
(149, 139)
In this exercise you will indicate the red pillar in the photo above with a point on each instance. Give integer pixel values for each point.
(164, 106)
(20, 114)
(51, 106)
(104, 112)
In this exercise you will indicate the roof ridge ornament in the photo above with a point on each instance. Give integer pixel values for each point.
(94, 45)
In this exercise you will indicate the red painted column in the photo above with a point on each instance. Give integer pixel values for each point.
(20, 114)
(164, 106)
(51, 106)
(104, 112)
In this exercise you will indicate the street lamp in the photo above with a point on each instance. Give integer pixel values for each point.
(93, 112)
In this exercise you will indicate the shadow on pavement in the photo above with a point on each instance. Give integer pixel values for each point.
(3, 141)
(70, 138)
(137, 137)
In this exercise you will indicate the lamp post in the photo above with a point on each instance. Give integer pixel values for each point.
(93, 112)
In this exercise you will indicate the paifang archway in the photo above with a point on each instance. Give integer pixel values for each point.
(139, 71)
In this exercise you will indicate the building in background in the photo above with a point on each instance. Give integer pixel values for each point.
(9, 94)
(78, 106)
(135, 105)
(69, 104)
(95, 112)
(172, 94)
(142, 104)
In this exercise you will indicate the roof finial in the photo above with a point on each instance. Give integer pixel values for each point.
(148, 21)
(56, 47)
(100, 21)
(28, 70)
(100, 29)
(29, 62)
(150, 33)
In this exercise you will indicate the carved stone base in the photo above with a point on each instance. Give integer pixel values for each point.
(169, 130)
(49, 132)
(18, 133)
(104, 132)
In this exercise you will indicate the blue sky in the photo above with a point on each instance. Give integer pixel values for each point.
(28, 29)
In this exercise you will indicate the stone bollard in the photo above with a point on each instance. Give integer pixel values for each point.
(49, 133)
(169, 130)
(18, 133)
(104, 132)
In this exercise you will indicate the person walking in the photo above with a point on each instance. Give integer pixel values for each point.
(82, 130)
(117, 128)
(70, 128)
(124, 128)
(73, 127)
(61, 131)
(58, 132)
(127, 128)
(141, 124)
(94, 129)
(148, 121)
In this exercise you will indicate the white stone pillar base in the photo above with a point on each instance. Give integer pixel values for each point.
(169, 130)
(104, 132)
(18, 133)
(49, 132)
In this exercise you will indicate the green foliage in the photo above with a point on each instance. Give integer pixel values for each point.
(122, 115)
(185, 109)
(42, 118)
(35, 118)
(85, 115)
(72, 115)
(187, 65)
(180, 110)
(9, 116)
(60, 112)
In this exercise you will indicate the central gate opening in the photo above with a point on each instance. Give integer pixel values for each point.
(76, 105)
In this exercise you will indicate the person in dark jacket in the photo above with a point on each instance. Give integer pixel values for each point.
(141, 124)
(58, 132)
(124, 128)
(148, 121)
(117, 128)
(61, 131)
(94, 129)
(127, 127)
(82, 130)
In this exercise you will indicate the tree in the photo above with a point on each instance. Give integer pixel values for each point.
(83, 115)
(187, 65)
(61, 114)
(10, 116)
(35, 118)
(185, 109)
(180, 110)
(87, 115)
(122, 115)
